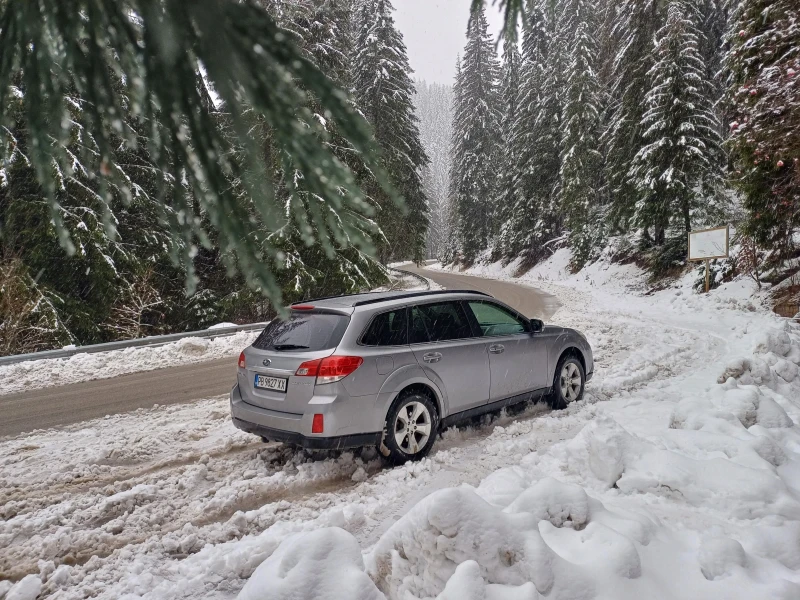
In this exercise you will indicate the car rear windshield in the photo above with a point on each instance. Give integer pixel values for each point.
(303, 332)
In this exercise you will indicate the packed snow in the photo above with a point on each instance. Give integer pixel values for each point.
(675, 478)
(41, 373)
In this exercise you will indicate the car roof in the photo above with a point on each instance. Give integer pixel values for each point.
(397, 297)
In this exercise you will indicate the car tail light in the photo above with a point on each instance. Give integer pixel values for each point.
(335, 368)
(242, 362)
(302, 307)
(330, 369)
(308, 368)
(317, 425)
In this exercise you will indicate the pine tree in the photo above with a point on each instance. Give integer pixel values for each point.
(506, 189)
(712, 20)
(763, 102)
(581, 162)
(318, 260)
(678, 169)
(637, 22)
(452, 251)
(384, 93)
(536, 142)
(476, 121)
(118, 231)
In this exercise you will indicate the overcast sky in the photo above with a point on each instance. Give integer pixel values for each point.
(435, 32)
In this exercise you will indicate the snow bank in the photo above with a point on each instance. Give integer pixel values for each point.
(43, 373)
(421, 552)
(322, 564)
(28, 588)
(706, 471)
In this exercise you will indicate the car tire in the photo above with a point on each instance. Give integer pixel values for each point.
(568, 382)
(411, 427)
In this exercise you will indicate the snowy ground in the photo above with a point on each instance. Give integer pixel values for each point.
(676, 478)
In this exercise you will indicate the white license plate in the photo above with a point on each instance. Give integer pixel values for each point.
(277, 384)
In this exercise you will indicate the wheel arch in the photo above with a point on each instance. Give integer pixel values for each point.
(569, 350)
(406, 378)
(423, 388)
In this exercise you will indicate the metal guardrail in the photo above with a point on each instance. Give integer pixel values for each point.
(415, 275)
(155, 340)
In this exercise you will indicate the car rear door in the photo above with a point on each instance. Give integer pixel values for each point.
(517, 357)
(445, 345)
(278, 352)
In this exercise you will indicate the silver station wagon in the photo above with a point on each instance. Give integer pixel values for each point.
(392, 369)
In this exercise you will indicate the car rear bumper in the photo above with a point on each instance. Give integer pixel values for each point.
(295, 429)
(311, 443)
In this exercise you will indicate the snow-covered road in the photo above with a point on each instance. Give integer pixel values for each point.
(682, 473)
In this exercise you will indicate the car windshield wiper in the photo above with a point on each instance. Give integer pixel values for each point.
(289, 347)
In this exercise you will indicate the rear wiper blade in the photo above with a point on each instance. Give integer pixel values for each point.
(289, 347)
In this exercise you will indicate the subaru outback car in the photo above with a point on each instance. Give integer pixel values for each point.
(392, 369)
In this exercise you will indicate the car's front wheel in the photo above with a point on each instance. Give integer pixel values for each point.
(411, 427)
(568, 383)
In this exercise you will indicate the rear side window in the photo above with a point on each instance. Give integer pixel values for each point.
(439, 323)
(303, 331)
(387, 329)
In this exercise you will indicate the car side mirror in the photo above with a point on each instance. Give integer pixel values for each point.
(536, 325)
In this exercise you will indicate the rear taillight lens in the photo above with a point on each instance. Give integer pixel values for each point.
(242, 361)
(335, 368)
(330, 369)
(308, 368)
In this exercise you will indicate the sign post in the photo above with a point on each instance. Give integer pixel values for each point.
(707, 245)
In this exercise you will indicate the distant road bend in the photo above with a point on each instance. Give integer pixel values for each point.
(74, 403)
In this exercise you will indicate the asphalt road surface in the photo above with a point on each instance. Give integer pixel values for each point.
(64, 405)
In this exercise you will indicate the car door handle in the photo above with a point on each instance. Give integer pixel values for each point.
(432, 357)
(497, 349)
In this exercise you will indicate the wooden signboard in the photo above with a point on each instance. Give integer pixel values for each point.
(709, 244)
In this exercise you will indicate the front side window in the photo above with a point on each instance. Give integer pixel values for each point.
(496, 320)
(303, 331)
(439, 322)
(387, 329)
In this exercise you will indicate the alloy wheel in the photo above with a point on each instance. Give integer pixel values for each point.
(412, 428)
(570, 382)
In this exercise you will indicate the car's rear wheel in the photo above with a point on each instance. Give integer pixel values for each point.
(411, 427)
(568, 383)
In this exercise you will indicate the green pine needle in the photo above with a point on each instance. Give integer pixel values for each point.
(156, 49)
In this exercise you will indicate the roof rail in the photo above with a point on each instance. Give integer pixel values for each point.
(418, 295)
(327, 298)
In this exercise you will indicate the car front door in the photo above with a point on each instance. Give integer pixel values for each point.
(517, 357)
(452, 356)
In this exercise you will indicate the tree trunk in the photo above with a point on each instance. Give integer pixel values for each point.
(687, 218)
(660, 235)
